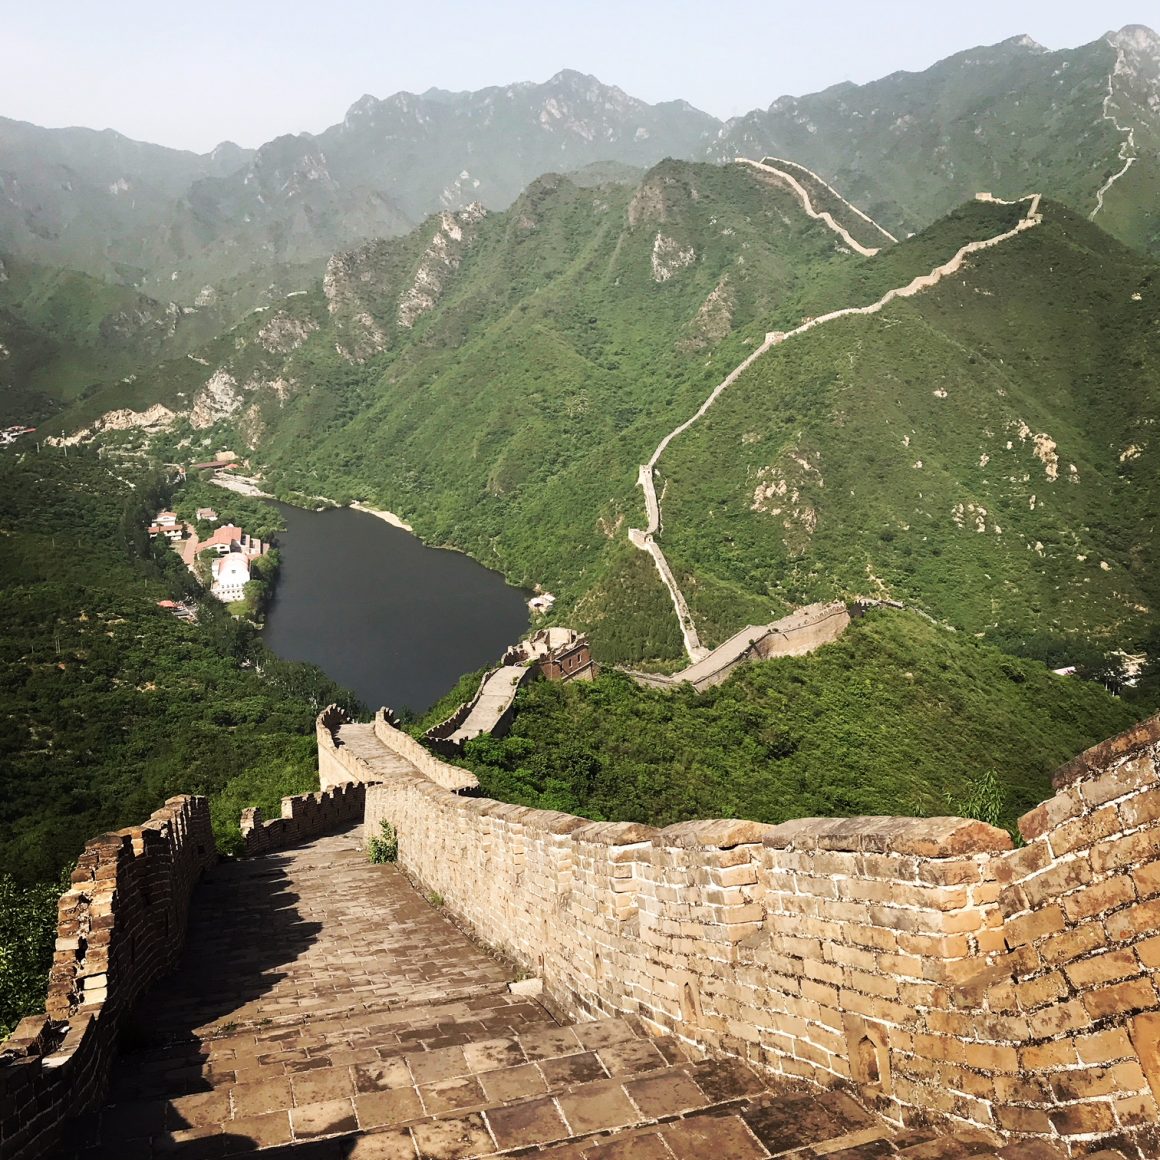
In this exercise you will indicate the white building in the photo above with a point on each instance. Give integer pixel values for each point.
(230, 572)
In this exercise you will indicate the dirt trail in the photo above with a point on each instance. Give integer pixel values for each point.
(1127, 152)
(645, 540)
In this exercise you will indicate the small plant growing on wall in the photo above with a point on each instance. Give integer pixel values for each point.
(384, 847)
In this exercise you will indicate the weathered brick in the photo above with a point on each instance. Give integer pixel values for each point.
(1027, 928)
(1132, 775)
(1103, 968)
(1141, 810)
(1142, 918)
(1099, 898)
(1050, 814)
(1133, 995)
(1085, 831)
(1083, 1119)
(1071, 944)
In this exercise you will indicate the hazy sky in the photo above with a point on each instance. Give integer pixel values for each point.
(193, 74)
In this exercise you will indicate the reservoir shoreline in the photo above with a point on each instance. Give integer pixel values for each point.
(382, 613)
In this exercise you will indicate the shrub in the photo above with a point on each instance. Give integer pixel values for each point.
(385, 846)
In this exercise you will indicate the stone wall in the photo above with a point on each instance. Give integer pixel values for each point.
(797, 634)
(121, 926)
(449, 777)
(924, 960)
(336, 765)
(304, 816)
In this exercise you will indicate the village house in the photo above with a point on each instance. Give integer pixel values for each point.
(231, 573)
(165, 524)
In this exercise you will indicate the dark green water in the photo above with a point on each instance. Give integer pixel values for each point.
(382, 614)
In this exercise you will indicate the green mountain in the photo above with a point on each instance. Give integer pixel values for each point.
(226, 225)
(982, 450)
(1008, 118)
(979, 450)
(237, 228)
(63, 333)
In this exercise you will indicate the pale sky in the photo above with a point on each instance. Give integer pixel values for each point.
(192, 74)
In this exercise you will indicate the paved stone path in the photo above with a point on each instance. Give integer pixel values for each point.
(495, 698)
(325, 1009)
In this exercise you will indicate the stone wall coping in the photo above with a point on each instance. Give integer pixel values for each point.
(1096, 760)
(942, 837)
(714, 833)
(614, 833)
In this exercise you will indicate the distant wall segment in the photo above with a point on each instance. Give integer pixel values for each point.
(121, 926)
(925, 960)
(304, 816)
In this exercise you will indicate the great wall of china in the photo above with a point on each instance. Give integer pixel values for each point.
(1005, 997)
(646, 539)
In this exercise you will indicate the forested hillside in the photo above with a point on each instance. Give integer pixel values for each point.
(110, 704)
(979, 450)
(896, 717)
(982, 450)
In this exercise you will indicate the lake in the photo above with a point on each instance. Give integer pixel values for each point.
(379, 612)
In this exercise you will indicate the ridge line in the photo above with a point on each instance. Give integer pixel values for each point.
(645, 540)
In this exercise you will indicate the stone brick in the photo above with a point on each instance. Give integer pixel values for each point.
(1083, 1119)
(1085, 831)
(1103, 968)
(1133, 995)
(1050, 814)
(1099, 898)
(1030, 927)
(1141, 810)
(1142, 918)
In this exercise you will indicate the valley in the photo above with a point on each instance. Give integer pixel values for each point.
(878, 366)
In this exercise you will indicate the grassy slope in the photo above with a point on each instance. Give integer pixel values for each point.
(1043, 331)
(897, 716)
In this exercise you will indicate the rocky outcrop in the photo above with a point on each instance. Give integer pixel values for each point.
(151, 421)
(454, 233)
(217, 400)
(669, 257)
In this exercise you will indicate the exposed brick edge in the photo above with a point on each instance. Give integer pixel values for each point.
(121, 926)
(1095, 760)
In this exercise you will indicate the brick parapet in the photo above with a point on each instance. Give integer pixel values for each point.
(304, 816)
(925, 960)
(450, 777)
(121, 925)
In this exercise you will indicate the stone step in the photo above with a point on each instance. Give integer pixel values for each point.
(665, 1115)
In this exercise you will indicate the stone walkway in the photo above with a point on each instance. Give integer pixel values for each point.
(494, 700)
(325, 1009)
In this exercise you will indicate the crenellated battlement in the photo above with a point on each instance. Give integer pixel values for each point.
(121, 926)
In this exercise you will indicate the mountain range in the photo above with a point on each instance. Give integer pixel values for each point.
(498, 375)
(239, 224)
